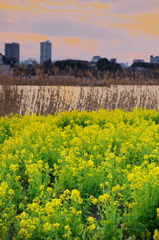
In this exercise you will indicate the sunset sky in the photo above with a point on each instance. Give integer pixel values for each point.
(80, 29)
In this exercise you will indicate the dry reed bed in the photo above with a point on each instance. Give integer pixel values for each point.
(50, 99)
(70, 77)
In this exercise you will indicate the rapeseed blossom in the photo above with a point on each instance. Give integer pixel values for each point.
(79, 175)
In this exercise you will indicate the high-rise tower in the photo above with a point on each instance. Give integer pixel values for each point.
(12, 50)
(45, 51)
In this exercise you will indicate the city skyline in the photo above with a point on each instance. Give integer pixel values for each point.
(120, 29)
(12, 50)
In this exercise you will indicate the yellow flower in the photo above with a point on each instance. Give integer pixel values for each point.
(4, 185)
(90, 219)
(22, 223)
(110, 176)
(130, 177)
(14, 167)
(56, 225)
(117, 187)
(104, 197)
(91, 227)
(22, 231)
(115, 203)
(85, 154)
(4, 228)
(41, 187)
(4, 215)
(17, 178)
(11, 192)
(94, 200)
(67, 228)
(156, 235)
(47, 226)
(32, 206)
(78, 213)
(68, 231)
(75, 195)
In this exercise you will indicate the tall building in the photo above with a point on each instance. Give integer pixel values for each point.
(12, 50)
(45, 51)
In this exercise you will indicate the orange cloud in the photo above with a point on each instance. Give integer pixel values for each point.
(100, 14)
(72, 41)
(102, 22)
(142, 23)
(115, 41)
(17, 37)
(43, 5)
(81, 19)
(90, 45)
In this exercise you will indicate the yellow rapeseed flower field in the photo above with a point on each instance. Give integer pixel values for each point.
(80, 176)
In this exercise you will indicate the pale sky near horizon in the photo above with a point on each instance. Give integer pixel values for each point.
(80, 29)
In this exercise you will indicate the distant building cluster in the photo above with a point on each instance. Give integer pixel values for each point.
(138, 60)
(95, 58)
(113, 60)
(4, 68)
(29, 61)
(154, 59)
